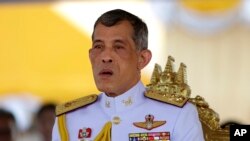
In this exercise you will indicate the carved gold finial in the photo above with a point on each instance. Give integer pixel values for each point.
(182, 74)
(168, 75)
(169, 67)
(156, 74)
(169, 86)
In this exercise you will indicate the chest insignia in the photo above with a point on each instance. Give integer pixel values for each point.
(149, 123)
(84, 133)
(128, 102)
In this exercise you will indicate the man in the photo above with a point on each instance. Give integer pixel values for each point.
(121, 112)
(45, 118)
(7, 125)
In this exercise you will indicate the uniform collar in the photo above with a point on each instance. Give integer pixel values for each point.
(131, 98)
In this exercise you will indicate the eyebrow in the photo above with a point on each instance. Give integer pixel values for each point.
(97, 41)
(119, 41)
(115, 41)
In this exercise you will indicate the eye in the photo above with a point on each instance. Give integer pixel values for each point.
(97, 46)
(119, 47)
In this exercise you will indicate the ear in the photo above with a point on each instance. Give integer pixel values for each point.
(144, 58)
(90, 54)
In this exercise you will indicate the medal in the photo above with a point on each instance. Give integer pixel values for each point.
(149, 123)
(84, 133)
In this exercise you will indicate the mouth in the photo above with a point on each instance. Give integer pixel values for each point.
(106, 73)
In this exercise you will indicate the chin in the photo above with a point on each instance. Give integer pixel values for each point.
(106, 89)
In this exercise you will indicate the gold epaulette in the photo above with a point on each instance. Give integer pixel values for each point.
(173, 99)
(74, 104)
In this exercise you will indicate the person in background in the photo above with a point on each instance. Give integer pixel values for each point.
(44, 120)
(122, 112)
(7, 126)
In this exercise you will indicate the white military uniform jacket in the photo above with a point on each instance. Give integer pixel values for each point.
(123, 111)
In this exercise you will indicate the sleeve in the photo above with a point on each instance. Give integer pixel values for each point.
(188, 126)
(55, 132)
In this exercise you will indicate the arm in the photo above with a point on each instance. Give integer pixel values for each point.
(188, 126)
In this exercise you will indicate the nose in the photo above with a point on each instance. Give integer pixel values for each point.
(107, 60)
(107, 56)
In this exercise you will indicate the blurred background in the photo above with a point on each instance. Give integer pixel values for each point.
(44, 52)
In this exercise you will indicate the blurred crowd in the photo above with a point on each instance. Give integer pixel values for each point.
(39, 129)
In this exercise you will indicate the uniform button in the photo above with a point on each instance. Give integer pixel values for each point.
(116, 120)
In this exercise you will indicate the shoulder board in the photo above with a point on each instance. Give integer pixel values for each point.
(74, 104)
(173, 99)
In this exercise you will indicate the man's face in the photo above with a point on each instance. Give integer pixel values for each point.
(114, 58)
(45, 123)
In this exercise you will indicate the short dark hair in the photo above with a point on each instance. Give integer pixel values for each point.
(112, 17)
(7, 114)
(45, 107)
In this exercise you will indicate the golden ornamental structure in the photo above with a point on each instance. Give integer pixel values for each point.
(171, 87)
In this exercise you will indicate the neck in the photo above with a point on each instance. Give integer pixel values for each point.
(112, 94)
(115, 94)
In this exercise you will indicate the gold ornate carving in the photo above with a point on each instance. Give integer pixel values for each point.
(210, 121)
(171, 87)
